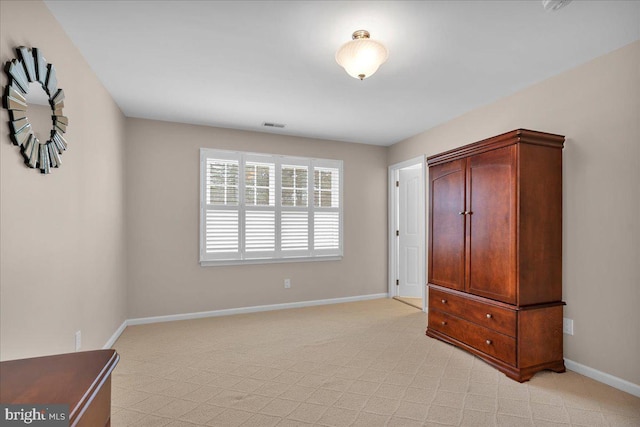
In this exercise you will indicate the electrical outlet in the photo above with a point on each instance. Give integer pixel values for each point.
(287, 283)
(567, 326)
(78, 340)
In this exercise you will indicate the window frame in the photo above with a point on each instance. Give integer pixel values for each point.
(277, 255)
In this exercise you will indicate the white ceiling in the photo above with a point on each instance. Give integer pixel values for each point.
(237, 64)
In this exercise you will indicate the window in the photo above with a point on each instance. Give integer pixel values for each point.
(259, 208)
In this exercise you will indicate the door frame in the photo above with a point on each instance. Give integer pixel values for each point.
(393, 175)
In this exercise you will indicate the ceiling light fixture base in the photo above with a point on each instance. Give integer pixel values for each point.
(360, 34)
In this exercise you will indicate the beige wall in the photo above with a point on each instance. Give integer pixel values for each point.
(597, 107)
(162, 167)
(62, 235)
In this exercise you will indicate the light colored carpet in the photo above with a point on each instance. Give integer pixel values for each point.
(413, 302)
(356, 364)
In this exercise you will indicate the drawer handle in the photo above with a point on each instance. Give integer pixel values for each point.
(444, 323)
(489, 316)
(488, 342)
(444, 301)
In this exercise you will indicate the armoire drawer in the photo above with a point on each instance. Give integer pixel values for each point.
(447, 324)
(486, 340)
(488, 315)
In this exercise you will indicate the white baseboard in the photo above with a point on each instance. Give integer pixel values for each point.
(116, 335)
(254, 309)
(603, 377)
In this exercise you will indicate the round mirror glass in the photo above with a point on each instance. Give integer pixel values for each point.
(39, 112)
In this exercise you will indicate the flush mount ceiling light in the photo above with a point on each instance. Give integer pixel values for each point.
(362, 56)
(553, 5)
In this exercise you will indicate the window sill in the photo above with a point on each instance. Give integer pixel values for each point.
(224, 262)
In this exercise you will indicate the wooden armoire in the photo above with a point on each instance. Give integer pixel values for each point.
(495, 251)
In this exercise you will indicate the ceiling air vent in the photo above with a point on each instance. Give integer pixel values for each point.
(273, 125)
(553, 5)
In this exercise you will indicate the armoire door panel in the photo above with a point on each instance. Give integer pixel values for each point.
(446, 264)
(491, 233)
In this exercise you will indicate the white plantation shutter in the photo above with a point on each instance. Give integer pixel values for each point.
(295, 231)
(326, 196)
(222, 231)
(294, 218)
(222, 234)
(326, 228)
(260, 231)
(258, 208)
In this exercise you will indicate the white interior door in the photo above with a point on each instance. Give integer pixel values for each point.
(410, 233)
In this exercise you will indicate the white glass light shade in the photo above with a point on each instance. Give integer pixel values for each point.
(361, 57)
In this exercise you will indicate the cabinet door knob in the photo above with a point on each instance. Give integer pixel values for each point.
(488, 342)
(461, 213)
(444, 323)
(444, 301)
(489, 316)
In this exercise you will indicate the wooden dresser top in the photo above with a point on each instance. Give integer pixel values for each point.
(71, 379)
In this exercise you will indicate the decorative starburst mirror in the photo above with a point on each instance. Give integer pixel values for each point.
(31, 78)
